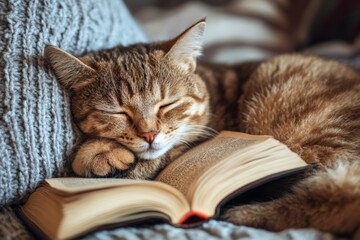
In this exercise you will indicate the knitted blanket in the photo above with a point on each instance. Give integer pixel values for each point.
(12, 228)
(35, 126)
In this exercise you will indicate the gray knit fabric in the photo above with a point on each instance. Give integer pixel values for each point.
(11, 228)
(35, 127)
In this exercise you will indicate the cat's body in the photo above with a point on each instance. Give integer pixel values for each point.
(142, 105)
(313, 106)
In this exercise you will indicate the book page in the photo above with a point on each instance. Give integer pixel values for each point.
(187, 169)
(77, 184)
(267, 160)
(64, 216)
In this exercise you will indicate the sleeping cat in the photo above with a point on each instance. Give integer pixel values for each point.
(141, 106)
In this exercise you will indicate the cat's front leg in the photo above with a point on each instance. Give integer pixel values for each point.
(328, 201)
(148, 169)
(258, 215)
(101, 157)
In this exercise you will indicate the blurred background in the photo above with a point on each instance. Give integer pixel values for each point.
(242, 30)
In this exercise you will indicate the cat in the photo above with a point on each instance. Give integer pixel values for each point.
(142, 105)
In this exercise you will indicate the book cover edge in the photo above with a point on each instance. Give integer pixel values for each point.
(259, 183)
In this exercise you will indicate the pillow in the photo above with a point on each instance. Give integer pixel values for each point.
(35, 127)
(237, 31)
(339, 20)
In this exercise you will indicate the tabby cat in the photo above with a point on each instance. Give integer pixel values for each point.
(141, 106)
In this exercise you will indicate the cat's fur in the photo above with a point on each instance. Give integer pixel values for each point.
(140, 106)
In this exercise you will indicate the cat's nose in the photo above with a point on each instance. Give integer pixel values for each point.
(148, 136)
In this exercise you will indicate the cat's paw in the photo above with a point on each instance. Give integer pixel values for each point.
(272, 215)
(265, 215)
(244, 215)
(101, 158)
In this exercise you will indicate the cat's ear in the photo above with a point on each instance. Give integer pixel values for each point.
(187, 47)
(71, 72)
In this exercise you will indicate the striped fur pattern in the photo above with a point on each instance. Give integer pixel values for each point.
(135, 104)
(312, 105)
(141, 106)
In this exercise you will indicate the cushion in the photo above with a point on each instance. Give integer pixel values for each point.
(237, 31)
(35, 126)
(339, 20)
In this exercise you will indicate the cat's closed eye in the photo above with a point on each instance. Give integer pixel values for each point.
(120, 113)
(111, 112)
(168, 105)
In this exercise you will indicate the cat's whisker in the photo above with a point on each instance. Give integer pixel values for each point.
(209, 129)
(186, 143)
(201, 131)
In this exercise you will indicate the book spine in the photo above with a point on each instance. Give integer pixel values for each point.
(193, 217)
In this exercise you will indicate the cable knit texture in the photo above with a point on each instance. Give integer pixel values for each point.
(35, 127)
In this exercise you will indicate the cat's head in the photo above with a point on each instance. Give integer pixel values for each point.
(145, 96)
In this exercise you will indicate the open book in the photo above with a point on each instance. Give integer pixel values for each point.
(193, 186)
